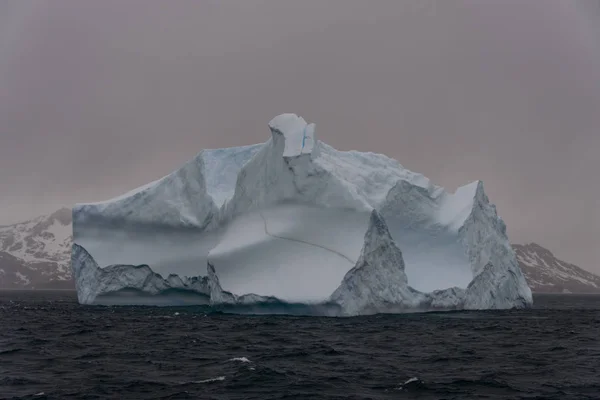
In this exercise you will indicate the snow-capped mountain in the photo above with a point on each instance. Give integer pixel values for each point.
(545, 273)
(36, 254)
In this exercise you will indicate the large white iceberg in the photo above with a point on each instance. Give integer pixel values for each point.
(293, 224)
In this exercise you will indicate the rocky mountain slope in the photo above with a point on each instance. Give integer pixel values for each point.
(36, 254)
(546, 273)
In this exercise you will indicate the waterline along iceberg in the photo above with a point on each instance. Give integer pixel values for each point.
(294, 225)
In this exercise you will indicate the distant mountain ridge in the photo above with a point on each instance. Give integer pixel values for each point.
(546, 273)
(36, 254)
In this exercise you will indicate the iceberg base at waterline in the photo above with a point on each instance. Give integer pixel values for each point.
(294, 226)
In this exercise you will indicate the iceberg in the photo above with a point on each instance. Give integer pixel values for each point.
(294, 224)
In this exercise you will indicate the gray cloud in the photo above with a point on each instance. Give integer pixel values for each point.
(99, 97)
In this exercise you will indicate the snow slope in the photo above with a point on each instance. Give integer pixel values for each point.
(35, 253)
(189, 197)
(546, 273)
(295, 220)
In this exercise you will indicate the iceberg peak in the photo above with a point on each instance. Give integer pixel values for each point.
(298, 137)
(378, 279)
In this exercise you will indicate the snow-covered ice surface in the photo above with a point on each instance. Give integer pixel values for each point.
(294, 221)
(283, 250)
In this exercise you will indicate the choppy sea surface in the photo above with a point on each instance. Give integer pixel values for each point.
(53, 348)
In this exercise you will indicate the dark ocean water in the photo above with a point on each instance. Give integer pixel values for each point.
(53, 348)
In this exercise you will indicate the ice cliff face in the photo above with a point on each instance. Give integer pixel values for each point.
(498, 280)
(377, 283)
(294, 221)
(93, 282)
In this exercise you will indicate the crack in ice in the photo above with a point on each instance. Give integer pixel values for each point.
(302, 241)
(303, 138)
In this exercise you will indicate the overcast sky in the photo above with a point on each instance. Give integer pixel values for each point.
(98, 97)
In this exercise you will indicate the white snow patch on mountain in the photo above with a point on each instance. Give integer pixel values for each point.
(23, 278)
